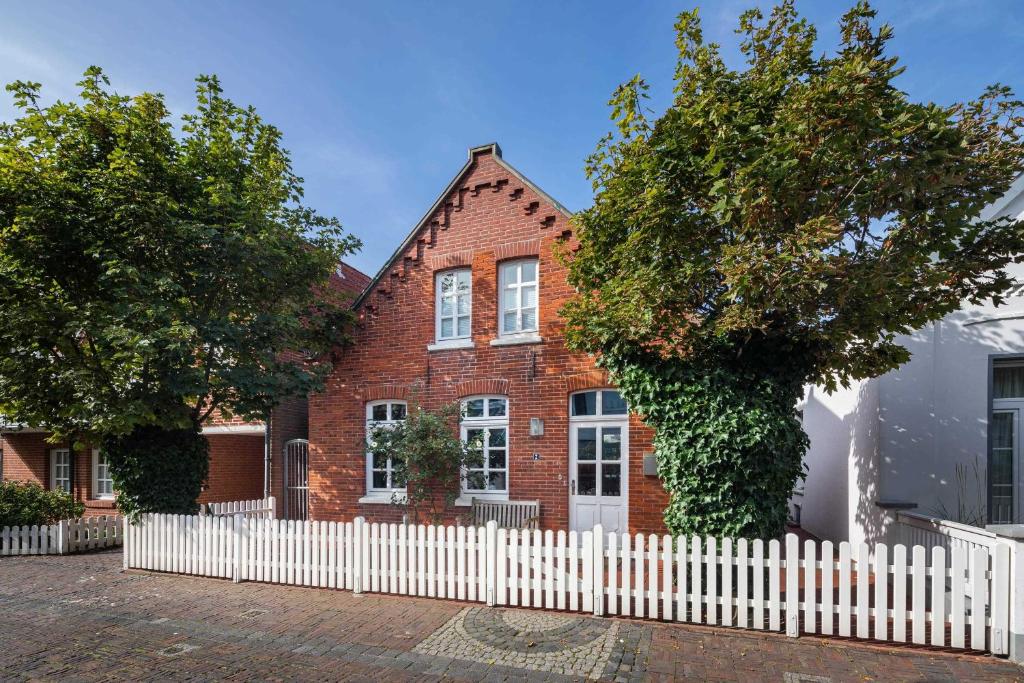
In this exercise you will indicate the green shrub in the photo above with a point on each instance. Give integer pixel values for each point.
(27, 503)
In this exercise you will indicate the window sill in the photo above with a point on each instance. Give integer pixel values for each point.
(520, 339)
(382, 498)
(466, 499)
(450, 344)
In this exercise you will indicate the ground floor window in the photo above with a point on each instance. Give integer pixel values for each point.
(383, 474)
(485, 430)
(60, 469)
(102, 482)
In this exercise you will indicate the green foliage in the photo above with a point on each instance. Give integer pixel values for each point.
(158, 470)
(785, 221)
(28, 503)
(151, 275)
(428, 457)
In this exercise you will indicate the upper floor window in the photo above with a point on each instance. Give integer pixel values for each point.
(102, 481)
(518, 297)
(60, 469)
(383, 473)
(454, 304)
(485, 430)
(597, 403)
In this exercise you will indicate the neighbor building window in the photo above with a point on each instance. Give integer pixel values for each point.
(454, 304)
(1004, 430)
(518, 282)
(485, 431)
(383, 474)
(60, 469)
(102, 482)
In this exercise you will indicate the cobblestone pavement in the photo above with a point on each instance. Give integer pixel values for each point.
(79, 618)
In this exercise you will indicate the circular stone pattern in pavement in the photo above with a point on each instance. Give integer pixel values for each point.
(532, 631)
(574, 646)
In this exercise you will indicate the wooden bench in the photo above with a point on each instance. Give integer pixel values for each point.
(509, 514)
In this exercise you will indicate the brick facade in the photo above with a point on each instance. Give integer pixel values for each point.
(490, 214)
(236, 468)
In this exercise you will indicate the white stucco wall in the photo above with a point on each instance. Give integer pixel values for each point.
(900, 437)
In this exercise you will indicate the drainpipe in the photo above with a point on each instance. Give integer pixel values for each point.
(266, 455)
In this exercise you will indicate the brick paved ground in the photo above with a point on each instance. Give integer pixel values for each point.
(80, 618)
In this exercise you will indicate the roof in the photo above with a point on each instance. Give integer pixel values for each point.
(349, 279)
(494, 151)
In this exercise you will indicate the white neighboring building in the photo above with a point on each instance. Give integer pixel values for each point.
(942, 434)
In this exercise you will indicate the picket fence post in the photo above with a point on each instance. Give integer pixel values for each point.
(357, 555)
(1012, 537)
(62, 537)
(237, 529)
(490, 571)
(273, 507)
(124, 542)
(597, 576)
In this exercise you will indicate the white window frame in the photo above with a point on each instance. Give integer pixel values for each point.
(504, 269)
(486, 423)
(389, 467)
(439, 297)
(599, 415)
(65, 454)
(96, 479)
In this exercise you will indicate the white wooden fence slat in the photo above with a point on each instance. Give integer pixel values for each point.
(881, 577)
(774, 589)
(863, 591)
(917, 598)
(681, 610)
(999, 638)
(757, 563)
(979, 591)
(938, 605)
(711, 585)
(899, 594)
(638, 592)
(742, 586)
(844, 589)
(574, 567)
(613, 579)
(792, 585)
(696, 576)
(666, 577)
(810, 588)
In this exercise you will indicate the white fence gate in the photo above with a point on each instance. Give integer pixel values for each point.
(956, 599)
(67, 536)
(296, 479)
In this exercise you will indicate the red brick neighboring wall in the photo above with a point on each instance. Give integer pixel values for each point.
(236, 468)
(490, 216)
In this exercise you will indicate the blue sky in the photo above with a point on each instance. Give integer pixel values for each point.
(379, 101)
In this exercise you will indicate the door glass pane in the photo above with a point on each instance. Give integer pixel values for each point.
(586, 479)
(612, 403)
(586, 443)
(611, 443)
(584, 403)
(610, 479)
(1001, 468)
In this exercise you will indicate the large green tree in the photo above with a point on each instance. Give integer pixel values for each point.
(151, 274)
(779, 224)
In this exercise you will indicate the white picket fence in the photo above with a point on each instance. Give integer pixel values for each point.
(68, 536)
(262, 508)
(959, 599)
(916, 529)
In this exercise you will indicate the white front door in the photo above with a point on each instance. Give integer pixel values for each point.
(598, 475)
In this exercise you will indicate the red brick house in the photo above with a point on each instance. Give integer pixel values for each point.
(245, 457)
(467, 310)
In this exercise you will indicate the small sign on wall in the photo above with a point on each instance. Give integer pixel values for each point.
(536, 427)
(650, 465)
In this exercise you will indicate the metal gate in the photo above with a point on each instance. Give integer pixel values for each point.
(296, 479)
